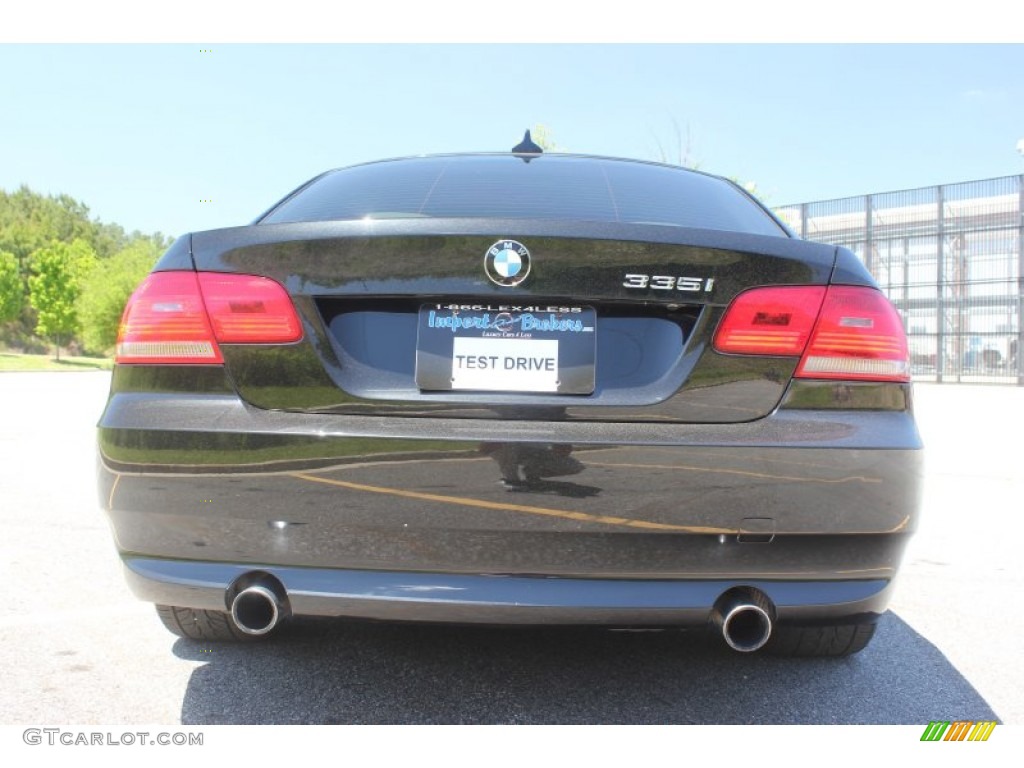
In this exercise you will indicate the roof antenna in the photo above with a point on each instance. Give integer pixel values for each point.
(526, 150)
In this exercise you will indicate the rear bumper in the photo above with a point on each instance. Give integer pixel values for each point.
(420, 518)
(460, 598)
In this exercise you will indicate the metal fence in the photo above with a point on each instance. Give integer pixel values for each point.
(949, 258)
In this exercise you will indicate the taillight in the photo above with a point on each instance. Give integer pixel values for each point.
(770, 321)
(245, 309)
(178, 317)
(842, 332)
(165, 322)
(859, 336)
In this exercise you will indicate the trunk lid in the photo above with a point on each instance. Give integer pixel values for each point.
(365, 291)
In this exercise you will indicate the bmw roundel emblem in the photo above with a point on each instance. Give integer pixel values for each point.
(507, 263)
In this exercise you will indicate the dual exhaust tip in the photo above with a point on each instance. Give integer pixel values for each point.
(745, 617)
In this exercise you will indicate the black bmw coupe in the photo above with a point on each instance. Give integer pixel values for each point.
(515, 388)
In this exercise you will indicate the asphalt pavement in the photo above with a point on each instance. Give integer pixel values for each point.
(78, 648)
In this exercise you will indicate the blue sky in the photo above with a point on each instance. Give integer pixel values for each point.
(143, 133)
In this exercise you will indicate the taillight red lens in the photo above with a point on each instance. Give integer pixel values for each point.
(842, 332)
(859, 336)
(178, 317)
(770, 321)
(245, 309)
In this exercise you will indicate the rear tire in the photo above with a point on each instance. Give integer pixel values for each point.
(197, 624)
(827, 641)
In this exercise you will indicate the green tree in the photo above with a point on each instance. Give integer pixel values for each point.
(59, 270)
(12, 291)
(29, 221)
(107, 288)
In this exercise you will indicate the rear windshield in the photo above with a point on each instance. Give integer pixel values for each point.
(548, 187)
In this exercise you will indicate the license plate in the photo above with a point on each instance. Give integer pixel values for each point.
(506, 349)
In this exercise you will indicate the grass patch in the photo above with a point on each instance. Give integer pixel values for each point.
(11, 361)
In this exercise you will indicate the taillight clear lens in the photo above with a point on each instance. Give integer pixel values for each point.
(859, 336)
(843, 332)
(178, 317)
(770, 321)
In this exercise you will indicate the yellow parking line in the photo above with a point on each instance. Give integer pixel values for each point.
(743, 473)
(364, 464)
(903, 524)
(732, 457)
(110, 498)
(482, 504)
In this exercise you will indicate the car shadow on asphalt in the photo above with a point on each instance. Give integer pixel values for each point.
(337, 672)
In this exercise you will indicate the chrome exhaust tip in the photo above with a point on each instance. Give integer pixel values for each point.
(256, 610)
(746, 618)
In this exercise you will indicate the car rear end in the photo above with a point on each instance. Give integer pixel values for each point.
(480, 389)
